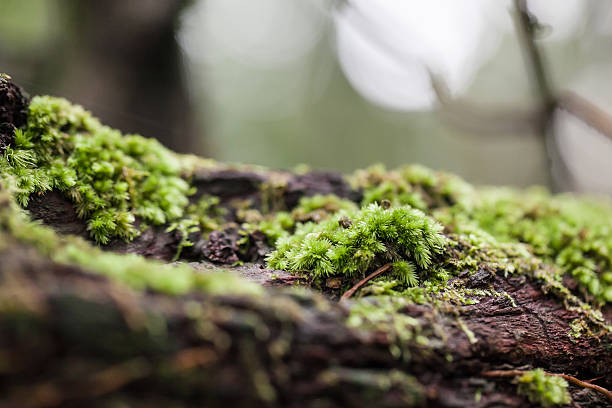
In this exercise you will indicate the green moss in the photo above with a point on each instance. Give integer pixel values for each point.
(129, 269)
(373, 237)
(111, 178)
(573, 233)
(405, 334)
(544, 389)
(309, 209)
(372, 386)
(412, 185)
(569, 232)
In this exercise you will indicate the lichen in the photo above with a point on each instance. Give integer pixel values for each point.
(544, 389)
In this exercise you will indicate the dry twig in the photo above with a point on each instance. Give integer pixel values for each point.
(365, 280)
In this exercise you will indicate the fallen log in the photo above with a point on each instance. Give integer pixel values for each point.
(87, 324)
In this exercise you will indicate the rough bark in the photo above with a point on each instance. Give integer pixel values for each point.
(70, 338)
(13, 105)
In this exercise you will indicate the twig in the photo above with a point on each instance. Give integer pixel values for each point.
(587, 112)
(525, 27)
(365, 280)
(526, 30)
(574, 380)
(480, 119)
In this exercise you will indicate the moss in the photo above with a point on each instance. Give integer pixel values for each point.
(573, 233)
(375, 236)
(129, 269)
(316, 208)
(544, 389)
(371, 386)
(111, 178)
(569, 232)
(412, 185)
(351, 243)
(405, 334)
(202, 217)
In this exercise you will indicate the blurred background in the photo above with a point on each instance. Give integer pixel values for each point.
(467, 86)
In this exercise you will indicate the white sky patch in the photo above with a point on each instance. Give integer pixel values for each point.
(386, 46)
(263, 33)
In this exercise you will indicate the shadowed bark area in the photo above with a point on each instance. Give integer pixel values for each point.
(13, 106)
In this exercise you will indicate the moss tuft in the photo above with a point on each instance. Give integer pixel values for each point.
(375, 236)
(544, 389)
(111, 178)
(129, 269)
(572, 233)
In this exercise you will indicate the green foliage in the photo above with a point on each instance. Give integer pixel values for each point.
(129, 269)
(315, 209)
(406, 272)
(112, 179)
(319, 207)
(573, 233)
(412, 185)
(375, 236)
(544, 389)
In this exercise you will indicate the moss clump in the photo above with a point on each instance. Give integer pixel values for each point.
(373, 236)
(544, 389)
(569, 232)
(412, 185)
(572, 233)
(315, 209)
(132, 270)
(111, 178)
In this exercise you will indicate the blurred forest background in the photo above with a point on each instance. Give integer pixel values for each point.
(334, 84)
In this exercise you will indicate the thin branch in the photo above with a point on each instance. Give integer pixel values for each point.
(587, 112)
(526, 26)
(574, 380)
(484, 120)
(365, 280)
